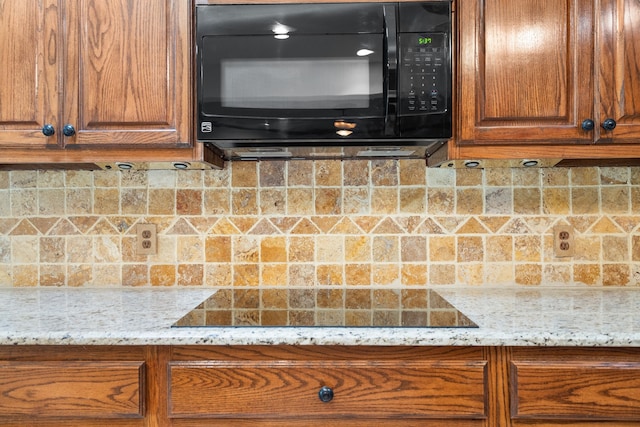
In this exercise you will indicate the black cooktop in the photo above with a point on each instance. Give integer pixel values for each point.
(335, 307)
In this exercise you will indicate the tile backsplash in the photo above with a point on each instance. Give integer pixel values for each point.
(320, 223)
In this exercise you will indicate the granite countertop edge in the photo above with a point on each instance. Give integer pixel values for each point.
(505, 316)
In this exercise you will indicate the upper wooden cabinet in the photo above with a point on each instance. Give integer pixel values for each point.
(110, 78)
(618, 52)
(545, 75)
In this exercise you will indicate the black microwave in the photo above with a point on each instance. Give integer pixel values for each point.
(323, 74)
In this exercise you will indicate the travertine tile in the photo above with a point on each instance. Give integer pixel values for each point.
(79, 275)
(358, 274)
(616, 274)
(246, 275)
(244, 174)
(556, 201)
(413, 172)
(384, 173)
(273, 249)
(357, 248)
(299, 173)
(328, 173)
(441, 200)
(469, 201)
(25, 275)
(527, 201)
(414, 274)
(302, 275)
(300, 201)
(413, 200)
(328, 201)
(615, 199)
(189, 179)
(499, 200)
(528, 274)
(162, 275)
(585, 176)
(190, 275)
(386, 249)
(272, 174)
(24, 202)
(329, 275)
(135, 275)
(273, 201)
(4, 180)
(274, 275)
(162, 201)
(356, 200)
(385, 274)
(23, 179)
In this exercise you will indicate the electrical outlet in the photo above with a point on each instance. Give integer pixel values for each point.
(563, 244)
(146, 239)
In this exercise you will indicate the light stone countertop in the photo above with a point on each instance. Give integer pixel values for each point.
(542, 316)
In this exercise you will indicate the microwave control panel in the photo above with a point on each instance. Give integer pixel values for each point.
(423, 72)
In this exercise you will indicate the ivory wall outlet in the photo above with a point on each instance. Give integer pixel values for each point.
(146, 239)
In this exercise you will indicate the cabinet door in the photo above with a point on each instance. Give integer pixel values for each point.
(619, 77)
(72, 389)
(525, 71)
(127, 73)
(29, 60)
(574, 387)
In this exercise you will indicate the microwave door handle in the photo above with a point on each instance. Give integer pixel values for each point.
(391, 69)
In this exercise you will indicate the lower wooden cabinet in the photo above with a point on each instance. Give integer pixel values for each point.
(189, 386)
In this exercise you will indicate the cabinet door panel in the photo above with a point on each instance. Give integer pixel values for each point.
(29, 60)
(576, 390)
(127, 72)
(525, 71)
(72, 389)
(619, 38)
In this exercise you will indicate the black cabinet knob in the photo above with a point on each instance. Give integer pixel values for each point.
(325, 394)
(609, 124)
(68, 130)
(48, 130)
(588, 125)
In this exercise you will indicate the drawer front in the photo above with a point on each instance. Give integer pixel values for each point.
(72, 389)
(413, 389)
(575, 390)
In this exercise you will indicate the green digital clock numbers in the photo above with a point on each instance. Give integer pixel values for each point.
(424, 40)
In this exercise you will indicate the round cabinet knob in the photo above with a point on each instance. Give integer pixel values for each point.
(588, 125)
(68, 130)
(48, 130)
(609, 124)
(325, 394)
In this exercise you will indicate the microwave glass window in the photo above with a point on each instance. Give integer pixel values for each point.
(297, 83)
(301, 76)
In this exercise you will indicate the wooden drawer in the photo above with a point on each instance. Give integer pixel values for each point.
(95, 389)
(366, 388)
(590, 388)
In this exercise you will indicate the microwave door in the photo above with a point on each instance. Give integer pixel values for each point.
(302, 86)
